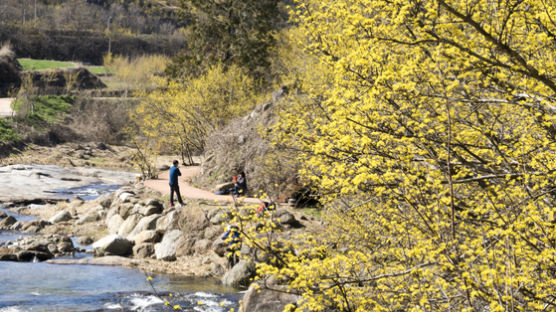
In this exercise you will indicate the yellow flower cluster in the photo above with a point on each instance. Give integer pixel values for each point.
(428, 127)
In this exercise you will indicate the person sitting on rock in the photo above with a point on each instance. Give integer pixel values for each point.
(240, 185)
(234, 245)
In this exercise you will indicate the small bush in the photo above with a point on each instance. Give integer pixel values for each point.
(7, 133)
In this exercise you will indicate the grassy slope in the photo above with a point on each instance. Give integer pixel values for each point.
(47, 109)
(32, 64)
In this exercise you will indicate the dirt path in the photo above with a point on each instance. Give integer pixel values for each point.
(186, 190)
(5, 107)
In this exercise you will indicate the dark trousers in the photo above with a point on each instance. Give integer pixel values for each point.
(233, 257)
(175, 188)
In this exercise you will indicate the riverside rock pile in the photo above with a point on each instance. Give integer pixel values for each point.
(135, 227)
(37, 248)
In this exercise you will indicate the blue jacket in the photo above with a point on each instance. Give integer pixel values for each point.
(174, 173)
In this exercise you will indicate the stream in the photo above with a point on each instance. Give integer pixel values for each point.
(40, 286)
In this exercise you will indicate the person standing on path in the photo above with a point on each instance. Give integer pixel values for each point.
(174, 187)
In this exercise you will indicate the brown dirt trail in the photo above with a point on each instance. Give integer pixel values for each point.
(187, 191)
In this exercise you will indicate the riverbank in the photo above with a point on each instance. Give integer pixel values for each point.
(158, 239)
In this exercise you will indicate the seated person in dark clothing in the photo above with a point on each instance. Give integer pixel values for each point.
(240, 186)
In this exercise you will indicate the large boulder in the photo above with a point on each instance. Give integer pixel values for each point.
(7, 222)
(219, 246)
(145, 224)
(112, 245)
(150, 210)
(38, 248)
(129, 224)
(113, 223)
(60, 216)
(145, 250)
(126, 209)
(89, 217)
(105, 201)
(201, 246)
(166, 250)
(34, 226)
(240, 275)
(147, 237)
(168, 222)
(260, 299)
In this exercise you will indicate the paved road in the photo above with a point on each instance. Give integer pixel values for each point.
(188, 191)
(5, 109)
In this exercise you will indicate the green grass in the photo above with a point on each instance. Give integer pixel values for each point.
(46, 108)
(7, 133)
(33, 64)
(98, 70)
(313, 211)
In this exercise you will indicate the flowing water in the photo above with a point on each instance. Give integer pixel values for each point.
(50, 287)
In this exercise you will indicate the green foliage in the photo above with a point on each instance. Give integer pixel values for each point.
(7, 132)
(428, 128)
(228, 32)
(136, 73)
(99, 70)
(33, 64)
(179, 117)
(45, 108)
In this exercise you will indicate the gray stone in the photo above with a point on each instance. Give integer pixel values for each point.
(84, 240)
(220, 217)
(223, 186)
(125, 210)
(40, 224)
(7, 222)
(113, 224)
(65, 247)
(146, 223)
(219, 246)
(201, 246)
(212, 232)
(106, 260)
(126, 197)
(105, 201)
(129, 224)
(145, 250)
(154, 202)
(168, 222)
(287, 218)
(150, 210)
(112, 245)
(240, 275)
(16, 226)
(90, 217)
(166, 250)
(60, 216)
(111, 212)
(147, 237)
(266, 300)
(3, 214)
(76, 202)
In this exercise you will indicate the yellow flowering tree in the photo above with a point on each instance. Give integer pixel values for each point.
(431, 137)
(178, 116)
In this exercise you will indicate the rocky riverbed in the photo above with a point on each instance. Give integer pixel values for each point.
(44, 182)
(131, 227)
